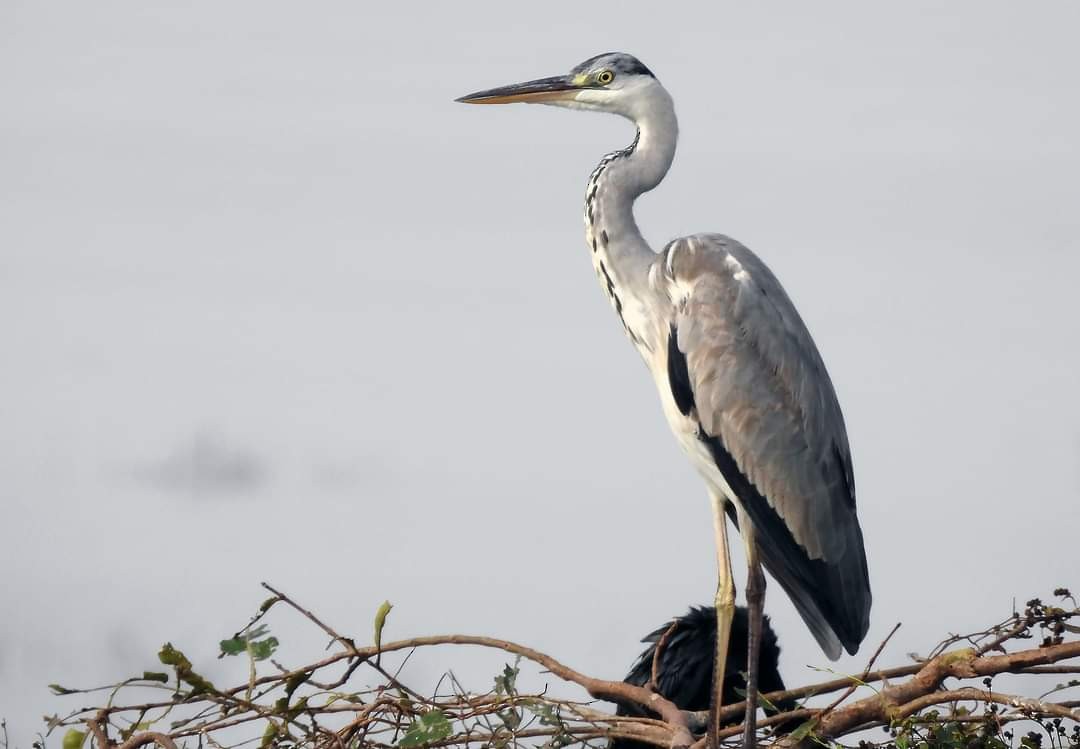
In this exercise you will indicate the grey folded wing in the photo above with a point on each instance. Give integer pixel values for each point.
(742, 363)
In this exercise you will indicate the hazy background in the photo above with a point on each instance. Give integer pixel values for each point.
(272, 306)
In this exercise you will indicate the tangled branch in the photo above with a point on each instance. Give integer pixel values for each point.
(317, 706)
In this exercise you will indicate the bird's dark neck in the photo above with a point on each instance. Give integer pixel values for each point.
(621, 256)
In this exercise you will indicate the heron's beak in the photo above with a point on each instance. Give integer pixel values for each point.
(558, 88)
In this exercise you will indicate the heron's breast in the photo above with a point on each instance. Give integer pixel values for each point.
(687, 429)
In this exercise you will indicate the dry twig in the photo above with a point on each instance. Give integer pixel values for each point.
(305, 707)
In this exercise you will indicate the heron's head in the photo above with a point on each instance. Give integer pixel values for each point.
(612, 82)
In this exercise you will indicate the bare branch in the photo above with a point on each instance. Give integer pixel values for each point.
(306, 708)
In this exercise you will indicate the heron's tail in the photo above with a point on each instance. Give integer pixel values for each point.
(832, 598)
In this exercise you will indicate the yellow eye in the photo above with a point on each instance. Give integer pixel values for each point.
(604, 77)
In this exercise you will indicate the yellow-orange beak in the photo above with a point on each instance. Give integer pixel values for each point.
(541, 90)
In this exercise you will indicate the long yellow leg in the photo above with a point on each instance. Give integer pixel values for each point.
(725, 610)
(755, 601)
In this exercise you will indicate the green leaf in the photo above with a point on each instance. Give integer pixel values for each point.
(510, 718)
(57, 689)
(73, 739)
(293, 683)
(155, 676)
(300, 706)
(234, 646)
(170, 656)
(249, 642)
(429, 727)
(127, 733)
(506, 682)
(802, 731)
(269, 734)
(547, 713)
(380, 622)
(263, 649)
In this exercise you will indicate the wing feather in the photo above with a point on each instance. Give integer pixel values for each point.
(753, 378)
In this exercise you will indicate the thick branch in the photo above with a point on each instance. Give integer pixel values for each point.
(890, 703)
(1034, 707)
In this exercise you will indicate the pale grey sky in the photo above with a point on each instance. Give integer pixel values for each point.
(261, 237)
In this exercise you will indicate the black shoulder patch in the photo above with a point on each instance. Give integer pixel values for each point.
(678, 374)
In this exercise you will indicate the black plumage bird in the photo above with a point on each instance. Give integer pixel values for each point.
(685, 671)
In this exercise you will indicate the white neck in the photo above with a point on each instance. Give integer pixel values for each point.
(621, 256)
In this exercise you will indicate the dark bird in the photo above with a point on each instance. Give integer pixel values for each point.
(685, 671)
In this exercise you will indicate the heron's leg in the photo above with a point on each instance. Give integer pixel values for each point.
(725, 610)
(755, 601)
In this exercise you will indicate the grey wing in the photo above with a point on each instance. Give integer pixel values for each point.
(742, 363)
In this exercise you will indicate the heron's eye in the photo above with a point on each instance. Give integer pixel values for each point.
(604, 77)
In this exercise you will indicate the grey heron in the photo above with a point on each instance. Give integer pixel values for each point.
(741, 381)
